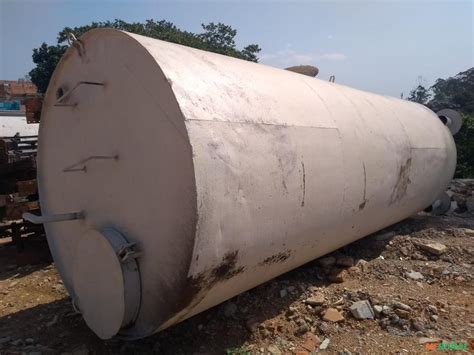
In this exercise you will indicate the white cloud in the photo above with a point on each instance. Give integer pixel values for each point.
(288, 57)
(330, 37)
(332, 56)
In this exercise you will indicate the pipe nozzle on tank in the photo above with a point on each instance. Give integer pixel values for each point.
(451, 119)
(441, 205)
(35, 219)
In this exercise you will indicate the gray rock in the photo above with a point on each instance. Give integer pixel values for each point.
(315, 300)
(251, 324)
(378, 310)
(428, 340)
(385, 236)
(273, 349)
(470, 204)
(327, 261)
(394, 319)
(323, 327)
(363, 265)
(402, 313)
(402, 306)
(362, 310)
(414, 275)
(29, 341)
(434, 248)
(303, 329)
(4, 340)
(324, 344)
(345, 261)
(230, 309)
(417, 325)
(434, 317)
(384, 322)
(283, 293)
(16, 342)
(52, 321)
(386, 310)
(13, 284)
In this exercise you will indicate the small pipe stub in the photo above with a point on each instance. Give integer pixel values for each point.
(441, 205)
(452, 119)
(35, 219)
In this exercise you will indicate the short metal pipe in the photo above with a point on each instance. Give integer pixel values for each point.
(30, 217)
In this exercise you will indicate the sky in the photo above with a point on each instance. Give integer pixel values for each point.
(387, 47)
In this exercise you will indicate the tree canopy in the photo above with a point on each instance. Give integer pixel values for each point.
(419, 94)
(218, 38)
(457, 93)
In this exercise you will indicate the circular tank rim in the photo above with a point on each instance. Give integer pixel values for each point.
(50, 96)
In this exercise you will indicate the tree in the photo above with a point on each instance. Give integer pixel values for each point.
(46, 58)
(458, 93)
(218, 38)
(465, 148)
(419, 94)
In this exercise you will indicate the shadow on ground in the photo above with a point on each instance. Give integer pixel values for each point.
(224, 328)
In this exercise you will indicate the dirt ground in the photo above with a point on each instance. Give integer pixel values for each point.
(417, 296)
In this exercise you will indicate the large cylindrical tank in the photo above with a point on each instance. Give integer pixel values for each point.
(177, 178)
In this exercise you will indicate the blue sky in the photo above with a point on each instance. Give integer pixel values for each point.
(379, 46)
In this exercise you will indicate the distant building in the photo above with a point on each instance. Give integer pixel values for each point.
(12, 90)
(14, 93)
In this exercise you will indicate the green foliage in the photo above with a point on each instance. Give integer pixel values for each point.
(419, 94)
(46, 58)
(218, 38)
(465, 146)
(238, 351)
(458, 93)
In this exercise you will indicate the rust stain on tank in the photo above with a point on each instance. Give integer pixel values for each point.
(364, 202)
(226, 269)
(277, 258)
(197, 285)
(303, 186)
(403, 180)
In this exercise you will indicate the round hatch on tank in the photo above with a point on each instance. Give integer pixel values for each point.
(106, 281)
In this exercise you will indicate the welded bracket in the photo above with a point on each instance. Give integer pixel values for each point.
(77, 166)
(126, 252)
(60, 100)
(35, 219)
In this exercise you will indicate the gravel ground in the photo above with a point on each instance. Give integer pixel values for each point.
(407, 289)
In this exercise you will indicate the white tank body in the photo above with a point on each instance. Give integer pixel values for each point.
(225, 174)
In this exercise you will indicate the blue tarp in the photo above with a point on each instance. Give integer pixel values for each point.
(9, 105)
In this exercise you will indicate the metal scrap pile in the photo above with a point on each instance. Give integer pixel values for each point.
(18, 188)
(462, 197)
